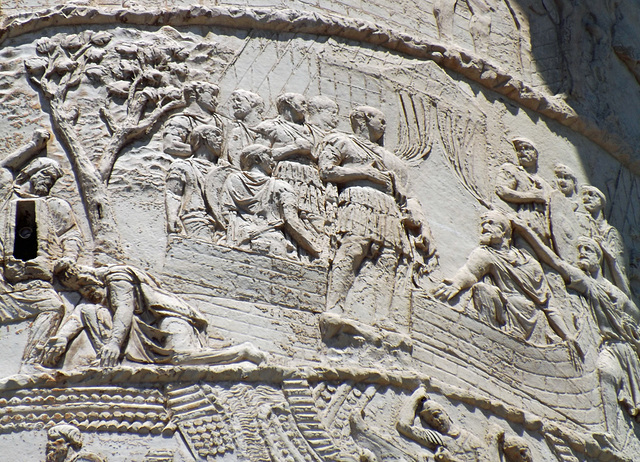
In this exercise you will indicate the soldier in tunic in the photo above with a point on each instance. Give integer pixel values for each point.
(195, 137)
(521, 186)
(369, 179)
(292, 144)
(39, 233)
(247, 110)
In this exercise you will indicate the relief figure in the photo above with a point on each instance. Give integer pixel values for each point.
(260, 211)
(427, 423)
(617, 319)
(607, 236)
(64, 444)
(369, 230)
(567, 216)
(130, 317)
(247, 108)
(520, 186)
(291, 141)
(39, 232)
(509, 288)
(195, 137)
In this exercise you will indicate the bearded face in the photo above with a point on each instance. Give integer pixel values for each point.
(41, 183)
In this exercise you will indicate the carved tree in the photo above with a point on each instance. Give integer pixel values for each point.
(137, 77)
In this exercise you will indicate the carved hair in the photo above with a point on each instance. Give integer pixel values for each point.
(516, 449)
(319, 103)
(520, 143)
(599, 193)
(37, 165)
(361, 115)
(78, 276)
(193, 89)
(500, 218)
(286, 100)
(254, 154)
(587, 241)
(255, 101)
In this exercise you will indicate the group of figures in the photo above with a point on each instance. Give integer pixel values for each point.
(123, 314)
(294, 187)
(565, 229)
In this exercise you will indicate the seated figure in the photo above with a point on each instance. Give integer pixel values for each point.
(509, 288)
(259, 209)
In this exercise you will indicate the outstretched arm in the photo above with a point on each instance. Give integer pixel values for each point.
(405, 426)
(122, 301)
(17, 159)
(477, 265)
(543, 252)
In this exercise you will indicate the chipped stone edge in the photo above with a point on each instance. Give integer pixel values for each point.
(452, 58)
(403, 379)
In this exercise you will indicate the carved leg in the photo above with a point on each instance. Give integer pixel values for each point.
(610, 374)
(489, 304)
(42, 329)
(443, 11)
(243, 352)
(346, 265)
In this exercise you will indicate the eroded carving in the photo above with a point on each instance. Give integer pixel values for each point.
(517, 297)
(64, 444)
(129, 316)
(372, 242)
(39, 235)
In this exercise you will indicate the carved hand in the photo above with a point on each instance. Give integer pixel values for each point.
(445, 290)
(501, 190)
(53, 350)
(109, 355)
(40, 137)
(174, 226)
(303, 145)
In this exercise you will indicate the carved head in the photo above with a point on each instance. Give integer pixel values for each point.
(435, 416)
(204, 93)
(367, 119)
(243, 102)
(256, 154)
(516, 449)
(323, 112)
(292, 106)
(589, 255)
(86, 280)
(593, 199)
(565, 180)
(495, 228)
(39, 175)
(60, 439)
(526, 152)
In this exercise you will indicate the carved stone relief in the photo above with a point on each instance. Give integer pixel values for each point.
(229, 242)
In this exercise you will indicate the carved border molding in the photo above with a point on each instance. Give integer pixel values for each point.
(403, 379)
(454, 59)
